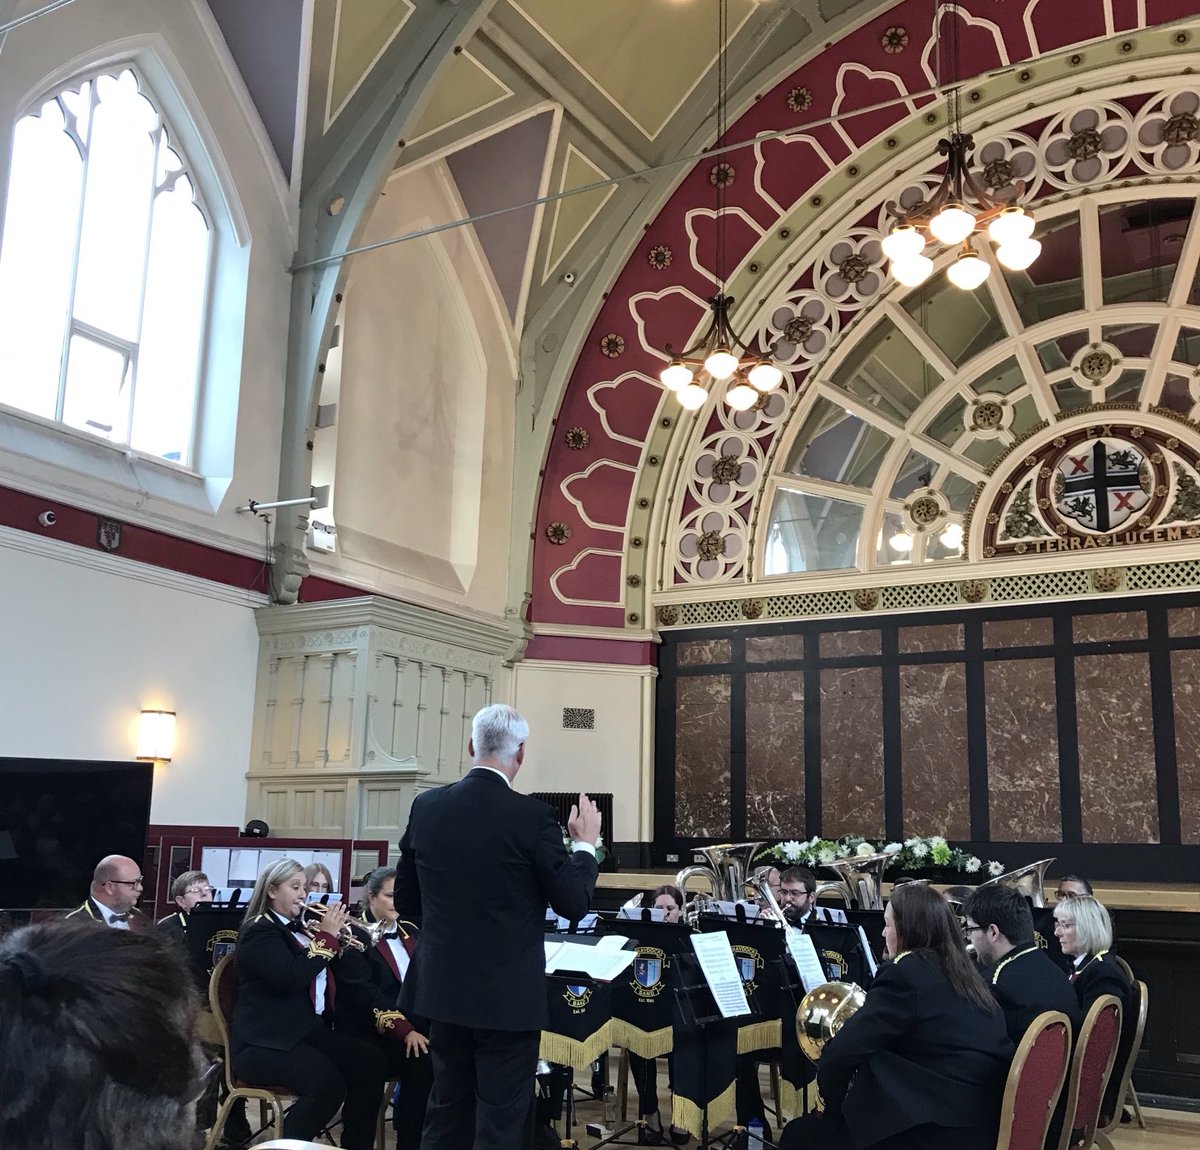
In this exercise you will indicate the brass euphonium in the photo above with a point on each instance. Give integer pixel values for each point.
(823, 1012)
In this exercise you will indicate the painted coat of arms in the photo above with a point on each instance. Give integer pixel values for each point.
(1101, 483)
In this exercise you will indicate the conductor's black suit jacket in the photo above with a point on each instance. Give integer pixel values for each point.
(478, 865)
(916, 1054)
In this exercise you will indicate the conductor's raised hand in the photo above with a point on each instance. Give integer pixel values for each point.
(585, 823)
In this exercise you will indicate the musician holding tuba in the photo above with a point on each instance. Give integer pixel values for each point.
(288, 973)
(922, 1064)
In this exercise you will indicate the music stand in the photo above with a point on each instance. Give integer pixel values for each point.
(697, 1015)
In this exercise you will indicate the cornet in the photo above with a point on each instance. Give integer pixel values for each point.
(349, 935)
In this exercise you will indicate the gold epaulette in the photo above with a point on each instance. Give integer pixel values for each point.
(319, 948)
(260, 917)
(901, 955)
(387, 1020)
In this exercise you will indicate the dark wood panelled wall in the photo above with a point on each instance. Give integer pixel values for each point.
(1069, 729)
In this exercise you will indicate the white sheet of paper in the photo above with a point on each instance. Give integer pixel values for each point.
(214, 862)
(636, 913)
(611, 942)
(243, 867)
(721, 973)
(601, 964)
(729, 909)
(586, 923)
(804, 954)
(867, 951)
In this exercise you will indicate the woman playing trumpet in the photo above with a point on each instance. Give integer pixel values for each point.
(370, 1013)
(287, 981)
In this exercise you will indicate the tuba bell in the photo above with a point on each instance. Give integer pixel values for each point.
(1029, 880)
(823, 1012)
(860, 880)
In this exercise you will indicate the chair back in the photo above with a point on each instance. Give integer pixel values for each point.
(222, 995)
(1126, 1070)
(1035, 1080)
(1095, 1053)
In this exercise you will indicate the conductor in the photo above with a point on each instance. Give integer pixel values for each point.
(478, 971)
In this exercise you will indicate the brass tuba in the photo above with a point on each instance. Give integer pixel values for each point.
(860, 879)
(823, 1012)
(1029, 880)
(725, 868)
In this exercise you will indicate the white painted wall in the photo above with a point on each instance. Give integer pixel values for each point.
(617, 756)
(88, 646)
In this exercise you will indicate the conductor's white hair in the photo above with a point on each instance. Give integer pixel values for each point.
(497, 731)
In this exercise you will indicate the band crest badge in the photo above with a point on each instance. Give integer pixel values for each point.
(577, 997)
(835, 964)
(749, 963)
(649, 971)
(222, 942)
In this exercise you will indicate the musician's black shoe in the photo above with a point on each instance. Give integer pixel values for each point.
(650, 1131)
(545, 1137)
(679, 1137)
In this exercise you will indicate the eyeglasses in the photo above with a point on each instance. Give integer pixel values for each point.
(971, 928)
(1065, 923)
(198, 890)
(127, 881)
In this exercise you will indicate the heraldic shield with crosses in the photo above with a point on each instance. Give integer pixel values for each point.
(1102, 483)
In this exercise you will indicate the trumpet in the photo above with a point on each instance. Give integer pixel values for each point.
(350, 933)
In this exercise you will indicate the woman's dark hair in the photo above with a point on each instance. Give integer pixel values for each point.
(373, 883)
(926, 923)
(97, 1028)
(673, 891)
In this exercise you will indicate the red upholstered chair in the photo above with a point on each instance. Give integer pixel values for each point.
(1035, 1080)
(1095, 1053)
(1126, 1072)
(222, 994)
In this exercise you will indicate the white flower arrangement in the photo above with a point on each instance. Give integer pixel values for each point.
(913, 853)
(995, 869)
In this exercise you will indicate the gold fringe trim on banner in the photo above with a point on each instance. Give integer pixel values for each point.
(643, 1043)
(572, 1051)
(685, 1113)
(759, 1036)
(792, 1099)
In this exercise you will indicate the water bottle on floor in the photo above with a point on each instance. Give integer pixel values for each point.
(754, 1134)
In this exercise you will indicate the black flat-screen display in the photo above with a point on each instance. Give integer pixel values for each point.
(59, 817)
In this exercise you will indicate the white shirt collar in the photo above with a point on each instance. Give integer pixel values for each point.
(482, 767)
(106, 912)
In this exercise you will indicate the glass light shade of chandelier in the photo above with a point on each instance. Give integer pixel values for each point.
(952, 536)
(692, 397)
(901, 541)
(958, 209)
(676, 375)
(765, 376)
(741, 397)
(968, 270)
(952, 224)
(720, 363)
(1017, 255)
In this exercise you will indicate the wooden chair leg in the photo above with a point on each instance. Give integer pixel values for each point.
(623, 1086)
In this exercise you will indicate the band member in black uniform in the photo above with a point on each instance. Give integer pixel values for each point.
(187, 890)
(1084, 931)
(1024, 979)
(317, 879)
(116, 886)
(372, 1014)
(287, 983)
(922, 1065)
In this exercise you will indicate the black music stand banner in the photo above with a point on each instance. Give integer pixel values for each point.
(840, 951)
(705, 1052)
(642, 1000)
(578, 1030)
(758, 950)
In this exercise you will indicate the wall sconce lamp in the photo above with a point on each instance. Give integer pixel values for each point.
(156, 737)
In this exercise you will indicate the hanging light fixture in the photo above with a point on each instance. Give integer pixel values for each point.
(960, 209)
(721, 353)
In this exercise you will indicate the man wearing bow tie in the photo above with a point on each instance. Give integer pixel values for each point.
(116, 886)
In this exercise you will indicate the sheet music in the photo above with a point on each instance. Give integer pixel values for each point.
(642, 913)
(611, 942)
(601, 963)
(214, 862)
(586, 923)
(729, 909)
(870, 954)
(243, 867)
(721, 973)
(804, 954)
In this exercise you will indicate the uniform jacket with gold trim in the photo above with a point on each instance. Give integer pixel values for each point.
(370, 1008)
(275, 976)
(138, 922)
(1101, 974)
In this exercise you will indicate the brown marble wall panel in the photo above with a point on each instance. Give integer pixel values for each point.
(1022, 742)
(702, 720)
(1183, 621)
(1185, 683)
(1117, 774)
(933, 741)
(702, 652)
(851, 751)
(775, 754)
(838, 644)
(1001, 633)
(765, 648)
(948, 637)
(1105, 628)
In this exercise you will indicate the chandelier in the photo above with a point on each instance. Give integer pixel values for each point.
(720, 352)
(959, 209)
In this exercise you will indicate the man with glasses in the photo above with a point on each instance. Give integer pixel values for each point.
(116, 886)
(1071, 886)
